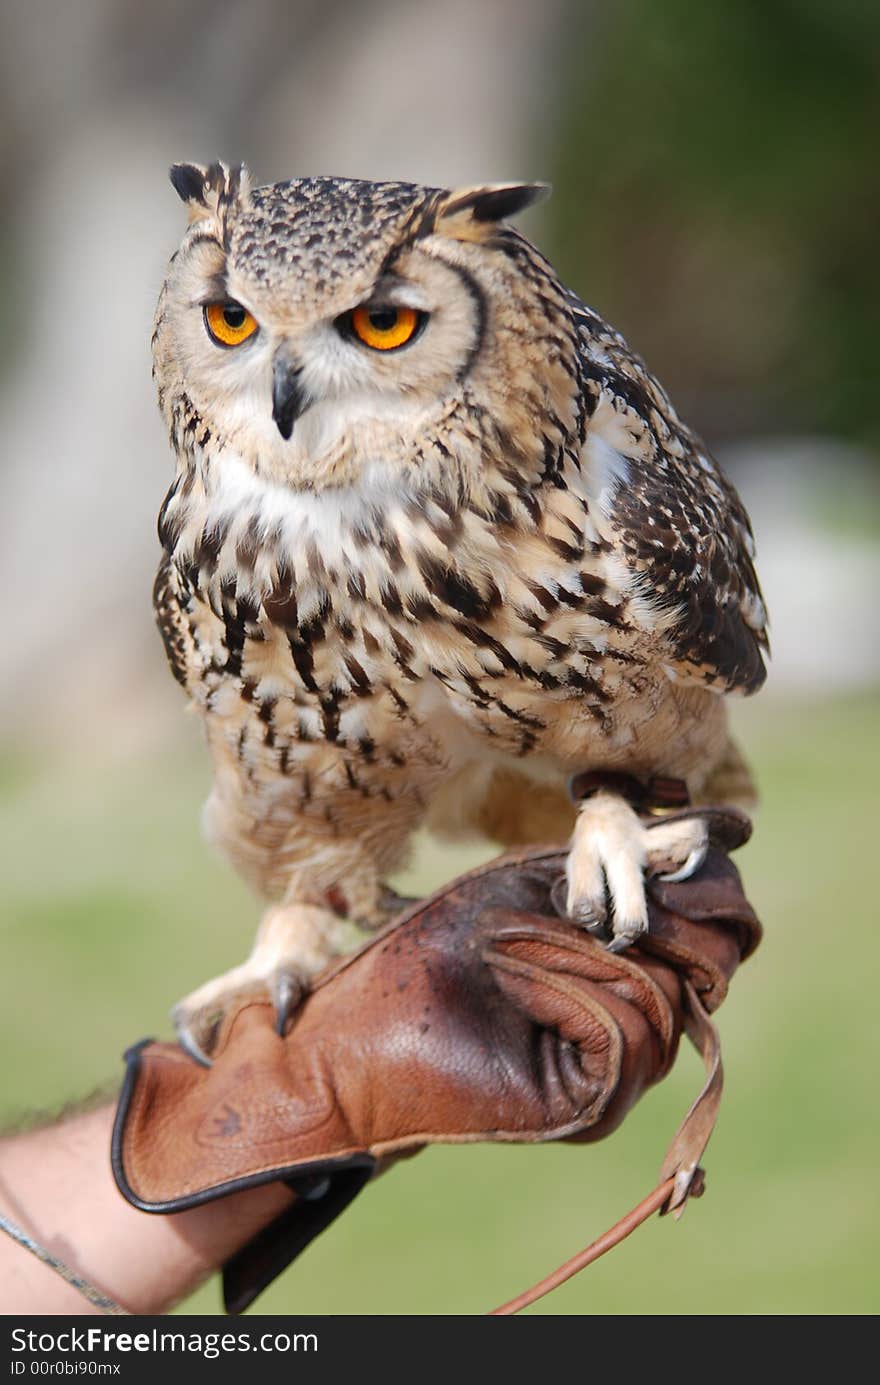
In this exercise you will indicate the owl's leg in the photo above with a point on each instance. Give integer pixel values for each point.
(517, 811)
(295, 941)
(320, 862)
(612, 851)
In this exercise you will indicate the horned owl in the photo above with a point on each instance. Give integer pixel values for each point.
(437, 541)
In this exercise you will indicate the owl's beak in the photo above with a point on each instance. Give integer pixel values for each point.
(288, 396)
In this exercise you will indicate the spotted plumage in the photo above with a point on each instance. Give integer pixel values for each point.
(425, 584)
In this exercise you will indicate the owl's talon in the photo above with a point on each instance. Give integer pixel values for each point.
(622, 941)
(690, 867)
(286, 990)
(600, 929)
(187, 1039)
(589, 914)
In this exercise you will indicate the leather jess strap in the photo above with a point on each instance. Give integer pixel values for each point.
(479, 1014)
(686, 1179)
(660, 791)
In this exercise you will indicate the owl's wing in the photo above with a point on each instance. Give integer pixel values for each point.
(692, 556)
(675, 519)
(169, 608)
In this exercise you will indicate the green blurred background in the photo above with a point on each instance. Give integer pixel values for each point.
(717, 197)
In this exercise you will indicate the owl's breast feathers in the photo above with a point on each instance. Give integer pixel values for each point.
(527, 573)
(499, 599)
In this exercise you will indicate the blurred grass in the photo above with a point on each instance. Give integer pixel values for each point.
(113, 909)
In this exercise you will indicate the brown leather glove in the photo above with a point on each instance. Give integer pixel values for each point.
(479, 1014)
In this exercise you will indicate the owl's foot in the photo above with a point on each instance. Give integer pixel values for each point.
(612, 850)
(294, 942)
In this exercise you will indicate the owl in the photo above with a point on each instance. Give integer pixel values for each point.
(439, 553)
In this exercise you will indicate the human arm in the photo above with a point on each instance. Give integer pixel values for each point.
(56, 1184)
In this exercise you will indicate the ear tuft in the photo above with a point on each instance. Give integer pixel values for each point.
(188, 181)
(209, 191)
(499, 201)
(471, 213)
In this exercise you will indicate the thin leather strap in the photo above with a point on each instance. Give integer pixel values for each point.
(611, 1238)
(681, 1176)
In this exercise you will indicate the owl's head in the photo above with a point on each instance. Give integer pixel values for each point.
(309, 325)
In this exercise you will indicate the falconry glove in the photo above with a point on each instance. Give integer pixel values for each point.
(478, 1014)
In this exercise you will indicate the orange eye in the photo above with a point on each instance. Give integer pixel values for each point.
(384, 329)
(229, 324)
